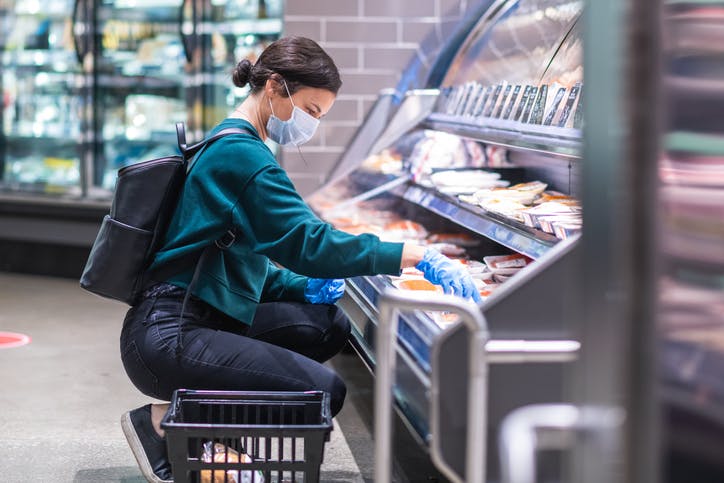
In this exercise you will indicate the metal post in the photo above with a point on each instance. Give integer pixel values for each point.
(386, 345)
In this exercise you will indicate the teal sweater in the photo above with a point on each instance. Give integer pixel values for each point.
(236, 183)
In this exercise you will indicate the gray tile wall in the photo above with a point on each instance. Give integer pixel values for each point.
(371, 42)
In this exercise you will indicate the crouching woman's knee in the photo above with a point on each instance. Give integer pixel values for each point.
(337, 392)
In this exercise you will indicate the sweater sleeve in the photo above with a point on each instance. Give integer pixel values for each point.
(283, 227)
(283, 285)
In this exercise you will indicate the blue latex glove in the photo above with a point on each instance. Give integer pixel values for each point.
(323, 290)
(453, 277)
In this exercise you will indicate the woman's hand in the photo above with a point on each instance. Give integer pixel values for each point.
(324, 290)
(452, 276)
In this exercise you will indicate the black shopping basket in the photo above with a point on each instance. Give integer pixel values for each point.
(247, 437)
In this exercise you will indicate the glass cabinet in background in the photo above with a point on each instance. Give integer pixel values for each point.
(90, 86)
(45, 91)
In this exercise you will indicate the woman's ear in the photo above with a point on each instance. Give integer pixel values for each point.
(270, 87)
(274, 85)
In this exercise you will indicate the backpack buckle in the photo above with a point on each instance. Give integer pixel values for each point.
(226, 241)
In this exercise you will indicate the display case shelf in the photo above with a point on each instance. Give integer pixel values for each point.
(258, 26)
(516, 236)
(139, 83)
(61, 61)
(142, 12)
(554, 140)
(53, 136)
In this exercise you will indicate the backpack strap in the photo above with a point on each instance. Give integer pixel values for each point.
(194, 278)
(181, 136)
(190, 151)
(223, 243)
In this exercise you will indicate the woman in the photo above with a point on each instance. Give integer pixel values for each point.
(248, 324)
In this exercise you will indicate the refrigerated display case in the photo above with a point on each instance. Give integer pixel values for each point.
(90, 86)
(486, 170)
(45, 93)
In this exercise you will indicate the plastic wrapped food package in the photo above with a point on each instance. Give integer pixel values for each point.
(417, 284)
(497, 263)
(459, 239)
(549, 209)
(219, 453)
(448, 249)
(567, 229)
(387, 162)
(466, 181)
(549, 222)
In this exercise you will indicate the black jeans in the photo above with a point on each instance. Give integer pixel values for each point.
(281, 351)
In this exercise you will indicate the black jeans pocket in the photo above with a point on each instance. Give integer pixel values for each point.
(138, 372)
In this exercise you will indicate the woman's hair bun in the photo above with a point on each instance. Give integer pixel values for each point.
(241, 73)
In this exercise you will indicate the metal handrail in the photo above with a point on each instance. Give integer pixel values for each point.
(391, 302)
(522, 431)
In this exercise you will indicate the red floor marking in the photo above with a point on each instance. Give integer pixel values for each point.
(8, 340)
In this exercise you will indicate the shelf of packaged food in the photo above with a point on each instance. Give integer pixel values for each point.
(139, 82)
(241, 26)
(63, 61)
(509, 233)
(565, 142)
(50, 10)
(149, 138)
(146, 12)
(52, 135)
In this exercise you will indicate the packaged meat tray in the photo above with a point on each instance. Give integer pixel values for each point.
(498, 263)
(551, 208)
(402, 230)
(417, 284)
(459, 239)
(448, 249)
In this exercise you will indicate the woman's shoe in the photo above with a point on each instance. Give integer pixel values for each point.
(147, 446)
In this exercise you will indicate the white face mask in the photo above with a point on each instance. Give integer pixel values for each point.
(297, 130)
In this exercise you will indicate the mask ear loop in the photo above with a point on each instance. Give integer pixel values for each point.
(288, 93)
(290, 100)
(302, 156)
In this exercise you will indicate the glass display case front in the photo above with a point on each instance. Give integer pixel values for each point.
(92, 86)
(45, 96)
(139, 84)
(518, 80)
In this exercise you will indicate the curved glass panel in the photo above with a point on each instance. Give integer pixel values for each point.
(518, 78)
(516, 45)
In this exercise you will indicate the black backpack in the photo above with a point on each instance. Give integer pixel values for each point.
(144, 201)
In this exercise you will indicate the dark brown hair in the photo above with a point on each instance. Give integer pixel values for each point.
(299, 61)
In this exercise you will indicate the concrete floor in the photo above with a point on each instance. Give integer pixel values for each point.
(61, 396)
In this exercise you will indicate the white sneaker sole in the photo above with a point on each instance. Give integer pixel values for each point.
(137, 449)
